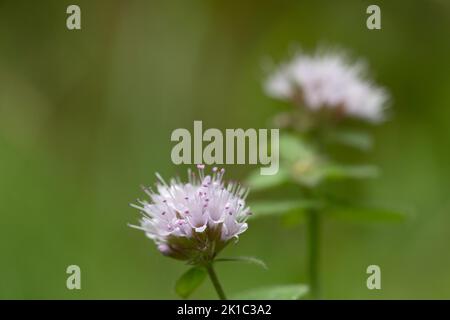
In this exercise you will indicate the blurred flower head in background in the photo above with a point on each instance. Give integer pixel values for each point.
(328, 81)
(195, 220)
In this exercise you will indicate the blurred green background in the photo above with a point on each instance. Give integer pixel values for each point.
(86, 117)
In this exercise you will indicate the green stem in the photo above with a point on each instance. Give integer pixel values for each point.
(215, 281)
(314, 222)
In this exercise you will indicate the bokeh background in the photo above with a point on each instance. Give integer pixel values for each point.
(86, 117)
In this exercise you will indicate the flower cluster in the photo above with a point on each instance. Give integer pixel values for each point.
(328, 81)
(195, 220)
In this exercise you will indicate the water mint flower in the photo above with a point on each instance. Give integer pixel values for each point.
(194, 221)
(328, 81)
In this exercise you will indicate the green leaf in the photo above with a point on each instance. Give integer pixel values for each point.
(355, 139)
(251, 260)
(256, 181)
(334, 171)
(293, 148)
(287, 292)
(365, 214)
(321, 171)
(189, 281)
(280, 207)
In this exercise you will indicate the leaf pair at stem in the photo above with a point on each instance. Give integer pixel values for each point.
(195, 276)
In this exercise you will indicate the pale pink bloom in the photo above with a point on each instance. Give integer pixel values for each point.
(328, 80)
(194, 220)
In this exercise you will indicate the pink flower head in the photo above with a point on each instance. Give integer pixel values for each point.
(194, 220)
(328, 81)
